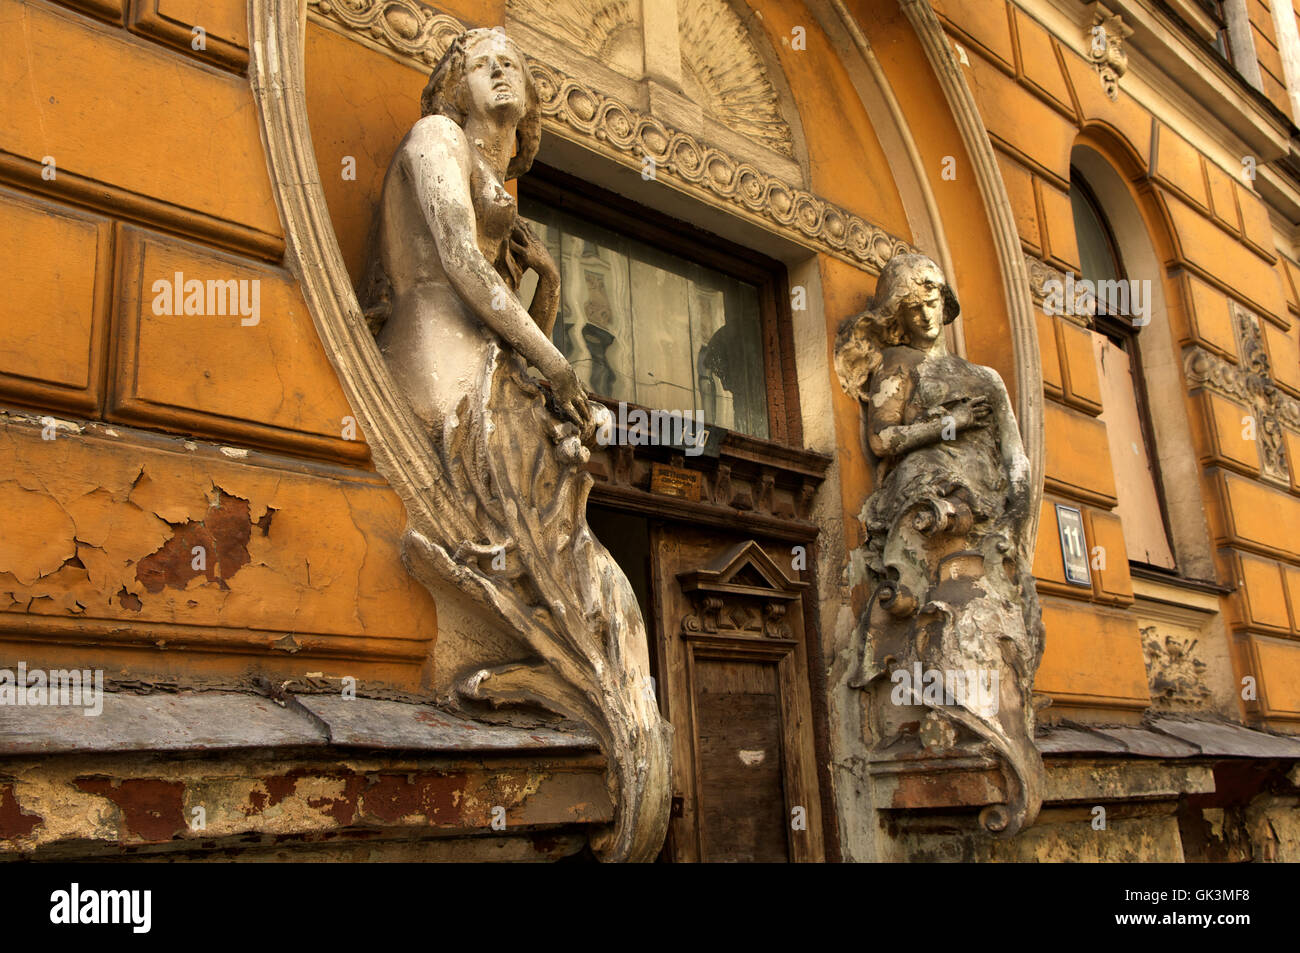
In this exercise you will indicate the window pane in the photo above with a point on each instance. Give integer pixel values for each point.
(1096, 257)
(661, 335)
(647, 327)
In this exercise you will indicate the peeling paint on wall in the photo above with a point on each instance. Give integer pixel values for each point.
(129, 541)
(215, 547)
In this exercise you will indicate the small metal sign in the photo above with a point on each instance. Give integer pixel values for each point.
(675, 481)
(1074, 546)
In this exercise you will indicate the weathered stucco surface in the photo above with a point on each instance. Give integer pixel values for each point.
(137, 549)
(83, 805)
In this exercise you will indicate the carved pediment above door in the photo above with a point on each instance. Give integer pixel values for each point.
(742, 592)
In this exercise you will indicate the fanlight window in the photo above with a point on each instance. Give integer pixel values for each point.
(647, 327)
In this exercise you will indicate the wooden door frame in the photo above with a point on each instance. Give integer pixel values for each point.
(682, 640)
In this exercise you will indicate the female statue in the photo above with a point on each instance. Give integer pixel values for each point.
(452, 244)
(505, 487)
(952, 587)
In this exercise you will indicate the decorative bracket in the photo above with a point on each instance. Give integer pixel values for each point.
(1106, 35)
(1250, 383)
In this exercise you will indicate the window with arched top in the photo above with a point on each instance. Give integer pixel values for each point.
(1120, 317)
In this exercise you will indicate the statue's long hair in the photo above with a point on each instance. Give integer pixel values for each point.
(906, 279)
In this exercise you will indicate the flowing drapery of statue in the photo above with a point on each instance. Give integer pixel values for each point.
(952, 629)
(507, 521)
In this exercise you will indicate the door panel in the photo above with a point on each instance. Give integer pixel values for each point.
(742, 792)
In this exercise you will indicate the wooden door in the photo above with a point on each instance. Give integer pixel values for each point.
(734, 684)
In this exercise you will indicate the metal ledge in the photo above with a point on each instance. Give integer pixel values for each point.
(216, 721)
(1166, 757)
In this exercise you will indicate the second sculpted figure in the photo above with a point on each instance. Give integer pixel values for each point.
(503, 497)
(952, 588)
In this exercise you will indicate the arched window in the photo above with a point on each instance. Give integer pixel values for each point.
(1116, 329)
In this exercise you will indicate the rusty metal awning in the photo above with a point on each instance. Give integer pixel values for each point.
(214, 721)
(1167, 736)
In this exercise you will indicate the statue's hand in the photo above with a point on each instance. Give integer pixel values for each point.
(530, 252)
(571, 398)
(969, 413)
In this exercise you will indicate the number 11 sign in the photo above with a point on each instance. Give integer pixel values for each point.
(1074, 548)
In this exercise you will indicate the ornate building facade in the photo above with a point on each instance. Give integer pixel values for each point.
(757, 599)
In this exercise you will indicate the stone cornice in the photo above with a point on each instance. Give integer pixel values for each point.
(579, 113)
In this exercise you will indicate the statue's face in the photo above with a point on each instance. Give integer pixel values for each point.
(494, 74)
(924, 321)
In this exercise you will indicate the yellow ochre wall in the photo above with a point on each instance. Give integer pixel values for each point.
(158, 168)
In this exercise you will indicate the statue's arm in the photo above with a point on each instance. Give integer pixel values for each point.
(530, 251)
(1014, 460)
(545, 306)
(887, 435)
(437, 160)
(895, 440)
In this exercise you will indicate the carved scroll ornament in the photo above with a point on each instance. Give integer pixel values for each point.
(489, 465)
(947, 557)
(1107, 32)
